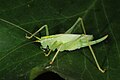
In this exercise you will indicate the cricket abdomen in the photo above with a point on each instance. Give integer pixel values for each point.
(79, 43)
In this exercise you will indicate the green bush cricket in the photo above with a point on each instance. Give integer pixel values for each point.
(66, 41)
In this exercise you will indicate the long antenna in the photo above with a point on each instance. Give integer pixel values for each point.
(15, 25)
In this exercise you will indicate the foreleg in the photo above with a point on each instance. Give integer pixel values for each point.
(45, 26)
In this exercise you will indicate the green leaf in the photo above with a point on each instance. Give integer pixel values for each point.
(22, 59)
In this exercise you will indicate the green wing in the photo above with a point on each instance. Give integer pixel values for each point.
(79, 43)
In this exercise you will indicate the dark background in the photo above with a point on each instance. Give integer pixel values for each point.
(22, 59)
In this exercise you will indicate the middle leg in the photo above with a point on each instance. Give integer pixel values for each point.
(55, 54)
